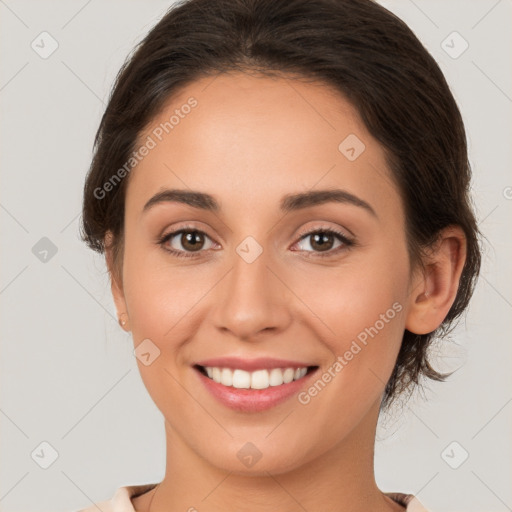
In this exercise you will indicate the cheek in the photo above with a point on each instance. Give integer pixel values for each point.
(160, 302)
(365, 319)
(353, 296)
(361, 310)
(158, 294)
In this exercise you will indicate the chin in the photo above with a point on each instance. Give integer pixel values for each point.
(244, 457)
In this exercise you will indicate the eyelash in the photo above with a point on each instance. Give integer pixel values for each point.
(347, 242)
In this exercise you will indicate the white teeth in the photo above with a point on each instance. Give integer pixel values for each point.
(226, 377)
(259, 379)
(216, 375)
(241, 378)
(288, 375)
(276, 377)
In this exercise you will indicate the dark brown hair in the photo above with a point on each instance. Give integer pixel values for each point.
(358, 47)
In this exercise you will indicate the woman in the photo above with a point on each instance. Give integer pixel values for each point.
(281, 193)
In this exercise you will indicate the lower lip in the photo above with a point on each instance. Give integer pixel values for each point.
(253, 400)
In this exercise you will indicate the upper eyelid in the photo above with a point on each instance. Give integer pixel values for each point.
(301, 233)
(310, 231)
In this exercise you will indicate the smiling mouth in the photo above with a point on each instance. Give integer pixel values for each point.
(258, 379)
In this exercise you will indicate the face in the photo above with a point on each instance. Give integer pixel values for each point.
(251, 279)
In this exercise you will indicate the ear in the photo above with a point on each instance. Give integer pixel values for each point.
(435, 289)
(116, 284)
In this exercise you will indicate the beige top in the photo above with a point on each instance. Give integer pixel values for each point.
(121, 501)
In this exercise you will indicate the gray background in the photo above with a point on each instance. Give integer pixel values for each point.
(68, 374)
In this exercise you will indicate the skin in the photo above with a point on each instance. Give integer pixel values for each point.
(250, 141)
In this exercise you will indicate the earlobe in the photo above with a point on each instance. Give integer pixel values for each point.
(123, 321)
(116, 284)
(435, 290)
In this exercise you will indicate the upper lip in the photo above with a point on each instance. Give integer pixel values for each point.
(261, 363)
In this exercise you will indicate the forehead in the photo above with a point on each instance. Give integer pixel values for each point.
(243, 138)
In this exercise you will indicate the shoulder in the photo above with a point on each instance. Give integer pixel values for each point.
(121, 501)
(409, 501)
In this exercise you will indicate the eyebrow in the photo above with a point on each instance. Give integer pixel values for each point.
(289, 203)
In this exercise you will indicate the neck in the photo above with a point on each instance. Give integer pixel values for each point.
(340, 479)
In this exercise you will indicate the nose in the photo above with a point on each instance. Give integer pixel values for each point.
(252, 299)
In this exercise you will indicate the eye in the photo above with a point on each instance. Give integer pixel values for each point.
(323, 240)
(191, 241)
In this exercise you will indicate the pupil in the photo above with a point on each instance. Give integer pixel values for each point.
(322, 240)
(193, 239)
